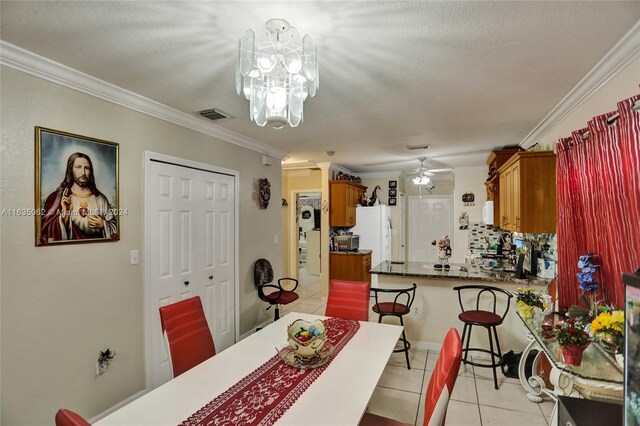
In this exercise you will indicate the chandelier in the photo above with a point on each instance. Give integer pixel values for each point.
(276, 71)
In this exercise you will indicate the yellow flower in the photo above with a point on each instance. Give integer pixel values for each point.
(608, 321)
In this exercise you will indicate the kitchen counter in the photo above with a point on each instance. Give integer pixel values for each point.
(456, 272)
(352, 253)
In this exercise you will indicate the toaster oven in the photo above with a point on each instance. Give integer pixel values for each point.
(347, 242)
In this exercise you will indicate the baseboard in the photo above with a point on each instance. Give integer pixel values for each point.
(117, 406)
(426, 346)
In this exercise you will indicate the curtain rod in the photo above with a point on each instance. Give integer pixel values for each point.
(612, 119)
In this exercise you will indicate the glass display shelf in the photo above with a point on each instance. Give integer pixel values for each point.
(596, 364)
(598, 377)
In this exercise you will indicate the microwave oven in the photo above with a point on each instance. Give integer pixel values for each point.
(347, 242)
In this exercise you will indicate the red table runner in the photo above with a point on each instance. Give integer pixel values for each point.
(263, 396)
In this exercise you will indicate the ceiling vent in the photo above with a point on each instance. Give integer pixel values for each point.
(414, 147)
(213, 114)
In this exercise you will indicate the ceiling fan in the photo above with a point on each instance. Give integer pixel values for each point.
(423, 170)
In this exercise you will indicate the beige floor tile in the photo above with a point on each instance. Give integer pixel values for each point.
(400, 378)
(458, 414)
(464, 389)
(546, 408)
(465, 369)
(510, 396)
(306, 308)
(487, 374)
(394, 404)
(307, 292)
(316, 299)
(417, 359)
(321, 310)
(500, 416)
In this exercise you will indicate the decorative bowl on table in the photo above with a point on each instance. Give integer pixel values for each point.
(307, 338)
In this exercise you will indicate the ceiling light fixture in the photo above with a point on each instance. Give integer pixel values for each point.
(422, 180)
(276, 71)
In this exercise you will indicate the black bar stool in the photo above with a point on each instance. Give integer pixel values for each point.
(484, 318)
(400, 306)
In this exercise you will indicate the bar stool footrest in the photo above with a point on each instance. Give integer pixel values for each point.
(406, 345)
(494, 356)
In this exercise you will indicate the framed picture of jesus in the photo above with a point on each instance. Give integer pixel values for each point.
(76, 189)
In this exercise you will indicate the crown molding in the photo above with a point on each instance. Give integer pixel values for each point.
(335, 167)
(391, 174)
(626, 50)
(41, 67)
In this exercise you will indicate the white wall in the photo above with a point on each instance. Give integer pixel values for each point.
(467, 179)
(62, 304)
(620, 87)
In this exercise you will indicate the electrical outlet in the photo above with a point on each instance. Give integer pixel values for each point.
(416, 310)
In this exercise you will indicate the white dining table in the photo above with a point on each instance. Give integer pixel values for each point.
(339, 396)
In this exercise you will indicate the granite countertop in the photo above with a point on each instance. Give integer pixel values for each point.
(457, 271)
(353, 253)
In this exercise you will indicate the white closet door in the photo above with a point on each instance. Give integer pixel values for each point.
(191, 234)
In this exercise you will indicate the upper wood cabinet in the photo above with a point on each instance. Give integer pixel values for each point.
(495, 161)
(528, 193)
(344, 196)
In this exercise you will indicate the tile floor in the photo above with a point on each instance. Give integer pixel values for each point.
(400, 393)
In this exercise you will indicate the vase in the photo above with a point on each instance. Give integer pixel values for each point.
(572, 353)
(525, 310)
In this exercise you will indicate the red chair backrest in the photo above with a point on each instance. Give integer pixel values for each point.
(188, 333)
(66, 417)
(442, 379)
(348, 300)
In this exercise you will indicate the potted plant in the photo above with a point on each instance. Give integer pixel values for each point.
(608, 327)
(573, 340)
(526, 300)
(589, 287)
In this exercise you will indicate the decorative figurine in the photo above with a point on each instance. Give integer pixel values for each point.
(464, 221)
(444, 252)
(264, 192)
(373, 201)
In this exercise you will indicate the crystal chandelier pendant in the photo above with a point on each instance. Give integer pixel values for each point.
(276, 71)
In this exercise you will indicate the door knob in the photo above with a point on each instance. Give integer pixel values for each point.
(210, 277)
(186, 283)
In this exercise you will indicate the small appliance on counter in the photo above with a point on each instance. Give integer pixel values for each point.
(347, 242)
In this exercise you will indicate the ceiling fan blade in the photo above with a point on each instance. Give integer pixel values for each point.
(440, 170)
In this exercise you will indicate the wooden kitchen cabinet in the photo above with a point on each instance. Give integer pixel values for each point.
(495, 161)
(344, 196)
(351, 267)
(527, 187)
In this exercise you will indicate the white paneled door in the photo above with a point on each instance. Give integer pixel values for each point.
(191, 243)
(430, 218)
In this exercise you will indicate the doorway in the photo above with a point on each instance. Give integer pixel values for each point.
(430, 218)
(308, 206)
(191, 238)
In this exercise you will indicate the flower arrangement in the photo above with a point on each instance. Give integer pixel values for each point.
(609, 327)
(588, 288)
(571, 333)
(530, 297)
(585, 276)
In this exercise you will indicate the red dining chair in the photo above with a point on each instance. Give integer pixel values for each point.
(348, 300)
(188, 334)
(440, 388)
(66, 417)
(281, 295)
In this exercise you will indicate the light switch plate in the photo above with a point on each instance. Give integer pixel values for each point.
(135, 257)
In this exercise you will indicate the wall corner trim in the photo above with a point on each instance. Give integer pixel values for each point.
(621, 54)
(41, 67)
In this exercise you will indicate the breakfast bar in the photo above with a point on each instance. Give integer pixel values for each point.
(436, 307)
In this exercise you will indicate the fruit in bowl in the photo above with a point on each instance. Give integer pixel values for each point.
(307, 338)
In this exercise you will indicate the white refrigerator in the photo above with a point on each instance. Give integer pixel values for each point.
(373, 225)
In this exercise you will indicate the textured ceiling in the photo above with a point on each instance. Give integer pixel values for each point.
(462, 76)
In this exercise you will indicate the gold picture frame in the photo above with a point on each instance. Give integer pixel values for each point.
(76, 189)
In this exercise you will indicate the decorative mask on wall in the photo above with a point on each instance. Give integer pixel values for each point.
(264, 195)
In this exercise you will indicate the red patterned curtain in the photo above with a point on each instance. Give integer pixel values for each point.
(598, 200)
